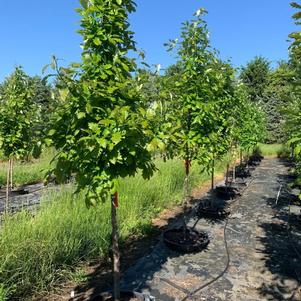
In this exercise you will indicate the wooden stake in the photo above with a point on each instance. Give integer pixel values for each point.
(11, 173)
(115, 247)
(7, 187)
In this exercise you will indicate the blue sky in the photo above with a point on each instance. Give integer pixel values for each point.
(33, 30)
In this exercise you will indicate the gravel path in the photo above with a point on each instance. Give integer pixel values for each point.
(263, 262)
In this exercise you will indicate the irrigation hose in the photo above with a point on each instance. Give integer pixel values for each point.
(190, 294)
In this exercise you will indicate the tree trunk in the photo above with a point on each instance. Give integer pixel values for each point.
(240, 157)
(115, 247)
(227, 175)
(212, 174)
(7, 187)
(186, 194)
(234, 172)
(186, 180)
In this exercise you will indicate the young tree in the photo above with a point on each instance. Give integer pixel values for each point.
(157, 97)
(18, 120)
(45, 98)
(192, 110)
(103, 133)
(250, 127)
(217, 131)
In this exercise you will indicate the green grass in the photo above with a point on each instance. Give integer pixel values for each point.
(26, 173)
(39, 252)
(269, 150)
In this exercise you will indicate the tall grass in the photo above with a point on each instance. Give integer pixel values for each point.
(37, 252)
(28, 172)
(270, 150)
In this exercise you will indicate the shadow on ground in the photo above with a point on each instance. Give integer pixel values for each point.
(264, 264)
(156, 260)
(282, 245)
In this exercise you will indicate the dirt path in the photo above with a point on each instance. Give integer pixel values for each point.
(263, 263)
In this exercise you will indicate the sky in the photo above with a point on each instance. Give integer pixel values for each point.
(32, 31)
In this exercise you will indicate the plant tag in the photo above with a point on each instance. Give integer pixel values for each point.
(115, 200)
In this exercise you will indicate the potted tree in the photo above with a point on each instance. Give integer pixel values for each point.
(191, 108)
(102, 133)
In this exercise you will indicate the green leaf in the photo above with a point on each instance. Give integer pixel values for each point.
(51, 132)
(105, 122)
(53, 63)
(81, 115)
(102, 142)
(63, 94)
(48, 141)
(88, 108)
(96, 41)
(84, 3)
(116, 138)
(94, 127)
(45, 68)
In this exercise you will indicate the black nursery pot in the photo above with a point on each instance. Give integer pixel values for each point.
(226, 192)
(124, 296)
(257, 158)
(21, 191)
(192, 241)
(251, 168)
(243, 174)
(211, 212)
(253, 163)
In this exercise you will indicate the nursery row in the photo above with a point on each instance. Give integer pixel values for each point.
(64, 234)
(108, 120)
